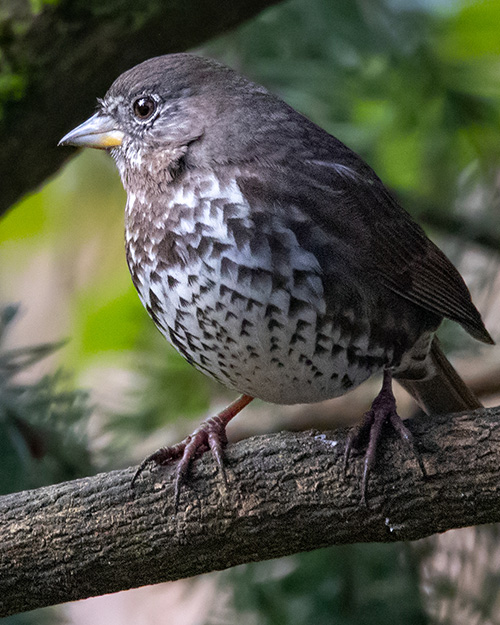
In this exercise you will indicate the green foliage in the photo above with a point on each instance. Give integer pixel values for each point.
(12, 84)
(111, 318)
(38, 5)
(345, 585)
(42, 425)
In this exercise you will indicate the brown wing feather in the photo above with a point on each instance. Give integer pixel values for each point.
(343, 195)
(347, 195)
(414, 267)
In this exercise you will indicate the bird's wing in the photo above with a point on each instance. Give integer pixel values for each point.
(351, 205)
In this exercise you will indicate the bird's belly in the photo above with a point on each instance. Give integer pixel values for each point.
(261, 341)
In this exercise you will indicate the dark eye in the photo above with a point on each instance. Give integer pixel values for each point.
(144, 108)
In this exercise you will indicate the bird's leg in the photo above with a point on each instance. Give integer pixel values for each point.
(383, 410)
(211, 435)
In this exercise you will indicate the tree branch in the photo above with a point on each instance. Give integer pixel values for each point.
(481, 232)
(54, 64)
(286, 493)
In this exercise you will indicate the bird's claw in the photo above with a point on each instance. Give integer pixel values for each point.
(211, 435)
(383, 410)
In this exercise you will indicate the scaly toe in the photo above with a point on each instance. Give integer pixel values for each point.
(162, 457)
(211, 435)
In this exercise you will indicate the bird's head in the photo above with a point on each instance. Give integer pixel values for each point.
(169, 110)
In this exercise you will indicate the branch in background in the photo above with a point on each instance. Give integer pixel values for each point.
(54, 64)
(480, 232)
(286, 493)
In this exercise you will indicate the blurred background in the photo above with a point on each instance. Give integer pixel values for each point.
(88, 384)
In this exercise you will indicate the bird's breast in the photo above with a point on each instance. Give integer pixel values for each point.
(236, 294)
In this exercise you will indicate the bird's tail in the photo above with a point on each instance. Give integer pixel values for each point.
(444, 392)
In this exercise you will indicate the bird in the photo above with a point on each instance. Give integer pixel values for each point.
(271, 256)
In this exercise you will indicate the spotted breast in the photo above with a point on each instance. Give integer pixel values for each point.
(236, 293)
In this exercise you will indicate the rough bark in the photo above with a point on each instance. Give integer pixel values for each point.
(286, 493)
(55, 62)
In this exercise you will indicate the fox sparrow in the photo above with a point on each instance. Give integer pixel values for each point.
(270, 255)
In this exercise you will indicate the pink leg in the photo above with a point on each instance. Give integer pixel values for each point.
(383, 411)
(211, 435)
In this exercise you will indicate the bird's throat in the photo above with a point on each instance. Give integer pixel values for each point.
(148, 172)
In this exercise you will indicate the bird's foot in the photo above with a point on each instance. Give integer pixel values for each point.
(383, 410)
(211, 435)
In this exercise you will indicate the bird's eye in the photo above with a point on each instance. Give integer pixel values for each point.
(144, 108)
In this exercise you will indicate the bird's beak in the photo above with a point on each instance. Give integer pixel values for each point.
(99, 132)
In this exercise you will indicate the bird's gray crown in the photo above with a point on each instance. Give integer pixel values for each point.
(179, 75)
